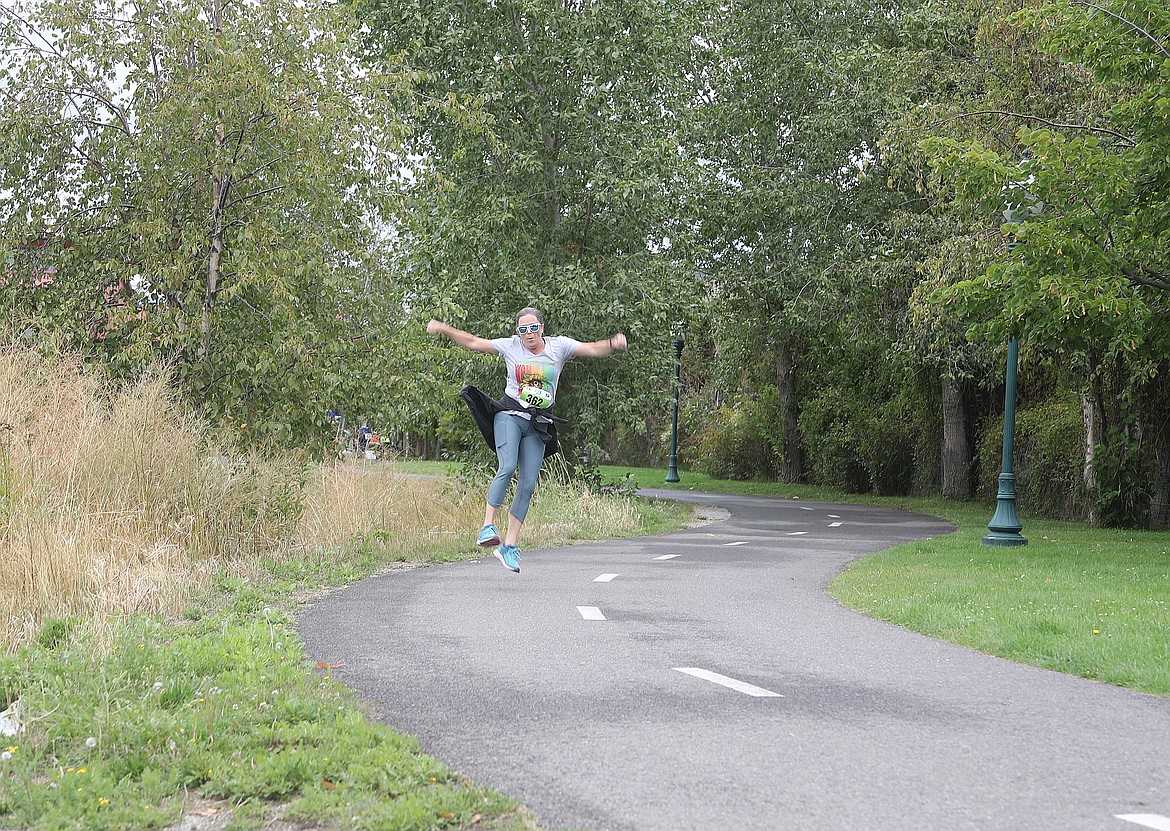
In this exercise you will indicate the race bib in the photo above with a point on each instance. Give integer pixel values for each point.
(537, 397)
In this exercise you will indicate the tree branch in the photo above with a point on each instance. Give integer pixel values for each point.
(248, 197)
(1130, 23)
(50, 48)
(96, 163)
(1156, 281)
(1130, 142)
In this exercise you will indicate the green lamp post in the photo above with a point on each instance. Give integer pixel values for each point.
(1005, 527)
(672, 469)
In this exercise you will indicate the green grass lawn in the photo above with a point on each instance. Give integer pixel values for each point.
(1086, 601)
(415, 466)
(1089, 602)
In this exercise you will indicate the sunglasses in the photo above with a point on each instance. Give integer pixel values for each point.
(531, 327)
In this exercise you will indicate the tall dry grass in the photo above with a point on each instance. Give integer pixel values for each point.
(567, 510)
(349, 501)
(354, 501)
(113, 499)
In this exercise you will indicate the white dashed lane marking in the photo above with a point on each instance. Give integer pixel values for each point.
(590, 613)
(1156, 821)
(730, 683)
(805, 508)
(741, 542)
(797, 533)
(833, 516)
(834, 525)
(668, 556)
(604, 578)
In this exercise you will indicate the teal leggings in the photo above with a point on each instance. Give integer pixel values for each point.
(517, 446)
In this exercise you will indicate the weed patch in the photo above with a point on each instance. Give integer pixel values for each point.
(230, 708)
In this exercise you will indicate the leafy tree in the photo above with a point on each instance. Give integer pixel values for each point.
(550, 176)
(1089, 278)
(941, 62)
(966, 72)
(204, 182)
(787, 127)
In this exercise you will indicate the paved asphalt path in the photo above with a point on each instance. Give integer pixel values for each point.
(867, 726)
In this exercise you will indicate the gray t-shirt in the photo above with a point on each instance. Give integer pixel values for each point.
(532, 379)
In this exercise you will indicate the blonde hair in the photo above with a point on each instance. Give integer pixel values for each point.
(530, 310)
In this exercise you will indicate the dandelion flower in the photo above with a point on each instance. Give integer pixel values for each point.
(91, 742)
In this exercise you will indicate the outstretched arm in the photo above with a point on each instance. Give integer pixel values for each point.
(464, 339)
(601, 348)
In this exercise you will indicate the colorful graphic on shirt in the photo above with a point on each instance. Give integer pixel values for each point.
(536, 384)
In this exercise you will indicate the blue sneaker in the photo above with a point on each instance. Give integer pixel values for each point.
(488, 536)
(509, 555)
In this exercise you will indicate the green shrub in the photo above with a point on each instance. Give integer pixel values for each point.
(860, 446)
(887, 437)
(1048, 460)
(1124, 470)
(832, 444)
(729, 444)
(55, 631)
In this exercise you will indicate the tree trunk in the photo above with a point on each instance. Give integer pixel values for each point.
(956, 450)
(1160, 492)
(214, 261)
(1158, 429)
(792, 461)
(1090, 409)
(219, 190)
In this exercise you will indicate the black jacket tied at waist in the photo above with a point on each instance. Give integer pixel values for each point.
(484, 408)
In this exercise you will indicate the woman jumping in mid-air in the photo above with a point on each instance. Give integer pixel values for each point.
(519, 426)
